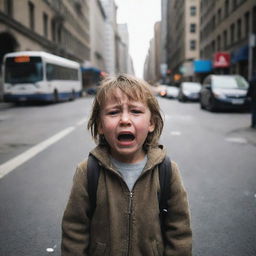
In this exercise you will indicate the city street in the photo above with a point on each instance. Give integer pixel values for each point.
(216, 161)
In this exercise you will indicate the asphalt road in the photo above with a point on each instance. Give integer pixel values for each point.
(218, 169)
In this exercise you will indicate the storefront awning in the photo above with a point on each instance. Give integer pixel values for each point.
(240, 54)
(202, 66)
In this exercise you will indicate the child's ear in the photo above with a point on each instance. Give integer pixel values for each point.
(100, 130)
(151, 127)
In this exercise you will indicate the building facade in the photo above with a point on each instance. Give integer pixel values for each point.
(59, 27)
(163, 40)
(55, 26)
(229, 27)
(183, 26)
(97, 39)
(110, 29)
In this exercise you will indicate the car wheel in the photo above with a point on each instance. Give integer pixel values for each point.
(72, 95)
(211, 105)
(201, 104)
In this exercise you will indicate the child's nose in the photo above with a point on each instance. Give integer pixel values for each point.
(125, 118)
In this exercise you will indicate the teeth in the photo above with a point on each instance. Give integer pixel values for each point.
(125, 137)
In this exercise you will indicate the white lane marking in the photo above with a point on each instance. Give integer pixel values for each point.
(51, 249)
(175, 133)
(13, 163)
(81, 122)
(236, 140)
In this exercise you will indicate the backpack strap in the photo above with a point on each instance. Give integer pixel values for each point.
(93, 173)
(164, 173)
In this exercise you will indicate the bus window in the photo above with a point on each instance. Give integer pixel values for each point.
(24, 70)
(56, 72)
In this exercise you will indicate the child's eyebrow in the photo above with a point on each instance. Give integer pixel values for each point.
(113, 106)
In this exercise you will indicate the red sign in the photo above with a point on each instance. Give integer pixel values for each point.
(22, 59)
(221, 60)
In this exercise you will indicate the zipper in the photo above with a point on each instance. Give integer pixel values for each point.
(129, 222)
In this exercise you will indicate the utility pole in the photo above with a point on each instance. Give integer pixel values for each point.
(252, 44)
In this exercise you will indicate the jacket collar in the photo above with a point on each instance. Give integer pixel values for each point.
(155, 156)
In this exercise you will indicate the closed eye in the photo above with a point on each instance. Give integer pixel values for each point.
(113, 112)
(136, 111)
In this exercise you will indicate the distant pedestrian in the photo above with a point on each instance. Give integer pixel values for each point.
(252, 94)
(126, 124)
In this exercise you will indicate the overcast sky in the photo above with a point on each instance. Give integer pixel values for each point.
(140, 15)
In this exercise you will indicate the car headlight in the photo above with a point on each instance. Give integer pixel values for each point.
(7, 86)
(219, 95)
(187, 93)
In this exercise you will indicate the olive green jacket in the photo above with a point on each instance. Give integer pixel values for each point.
(126, 223)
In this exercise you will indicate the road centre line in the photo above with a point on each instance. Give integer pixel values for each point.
(13, 163)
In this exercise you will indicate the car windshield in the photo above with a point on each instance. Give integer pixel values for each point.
(236, 82)
(193, 86)
(29, 71)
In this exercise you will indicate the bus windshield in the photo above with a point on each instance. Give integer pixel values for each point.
(23, 69)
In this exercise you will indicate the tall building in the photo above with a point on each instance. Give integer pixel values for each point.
(97, 30)
(123, 48)
(60, 27)
(228, 36)
(150, 63)
(183, 28)
(163, 40)
(110, 9)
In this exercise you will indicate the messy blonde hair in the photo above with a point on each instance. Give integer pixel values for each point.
(136, 90)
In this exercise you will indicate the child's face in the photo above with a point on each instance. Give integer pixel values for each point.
(125, 125)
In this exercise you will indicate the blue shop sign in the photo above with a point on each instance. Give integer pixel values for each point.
(202, 66)
(241, 54)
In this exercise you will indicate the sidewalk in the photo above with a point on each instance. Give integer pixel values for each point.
(248, 133)
(4, 105)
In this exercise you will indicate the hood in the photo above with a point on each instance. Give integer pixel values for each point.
(230, 92)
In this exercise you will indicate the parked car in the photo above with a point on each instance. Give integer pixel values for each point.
(162, 90)
(189, 91)
(224, 92)
(172, 92)
(168, 91)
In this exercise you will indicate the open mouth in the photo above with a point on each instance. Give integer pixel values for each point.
(126, 137)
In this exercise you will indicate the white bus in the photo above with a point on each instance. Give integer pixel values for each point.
(40, 76)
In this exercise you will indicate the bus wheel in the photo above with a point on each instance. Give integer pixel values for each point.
(73, 95)
(55, 96)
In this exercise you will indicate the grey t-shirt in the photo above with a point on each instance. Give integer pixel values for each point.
(130, 172)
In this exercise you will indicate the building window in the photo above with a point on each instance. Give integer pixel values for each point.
(59, 33)
(219, 15)
(226, 8)
(239, 27)
(192, 45)
(53, 25)
(192, 28)
(213, 46)
(218, 43)
(31, 9)
(225, 39)
(247, 24)
(232, 33)
(192, 10)
(234, 4)
(213, 22)
(8, 6)
(45, 24)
